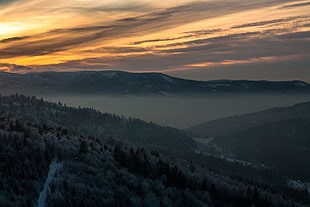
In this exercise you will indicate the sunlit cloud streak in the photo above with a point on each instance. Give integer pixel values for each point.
(41, 35)
(296, 5)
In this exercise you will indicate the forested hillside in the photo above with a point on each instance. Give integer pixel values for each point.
(104, 172)
(278, 138)
(90, 122)
(284, 145)
(235, 124)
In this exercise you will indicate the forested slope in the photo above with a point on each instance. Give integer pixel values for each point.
(90, 122)
(106, 172)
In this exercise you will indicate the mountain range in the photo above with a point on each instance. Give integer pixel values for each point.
(121, 83)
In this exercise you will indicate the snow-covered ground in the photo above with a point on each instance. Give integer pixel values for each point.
(168, 79)
(54, 166)
(299, 185)
(204, 141)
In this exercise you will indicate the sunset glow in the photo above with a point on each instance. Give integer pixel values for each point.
(150, 35)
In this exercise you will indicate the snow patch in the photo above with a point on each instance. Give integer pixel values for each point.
(168, 79)
(301, 84)
(205, 144)
(298, 185)
(54, 166)
(205, 141)
(163, 93)
(219, 85)
(109, 75)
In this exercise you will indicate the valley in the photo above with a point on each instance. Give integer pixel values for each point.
(129, 152)
(179, 111)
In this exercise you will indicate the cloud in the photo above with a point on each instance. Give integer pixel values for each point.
(296, 35)
(296, 5)
(133, 6)
(6, 1)
(14, 68)
(149, 36)
(263, 23)
(190, 34)
(203, 32)
(212, 39)
(162, 40)
(238, 47)
(12, 39)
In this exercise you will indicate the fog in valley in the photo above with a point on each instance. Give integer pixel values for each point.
(180, 112)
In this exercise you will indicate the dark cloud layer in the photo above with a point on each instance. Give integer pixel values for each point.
(12, 39)
(262, 23)
(296, 35)
(232, 47)
(296, 5)
(6, 1)
(67, 38)
(190, 34)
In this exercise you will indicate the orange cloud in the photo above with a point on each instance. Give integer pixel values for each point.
(251, 60)
(143, 35)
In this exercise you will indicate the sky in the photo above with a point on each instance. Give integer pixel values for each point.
(203, 39)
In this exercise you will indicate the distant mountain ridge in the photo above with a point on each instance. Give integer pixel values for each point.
(122, 83)
(278, 137)
(236, 124)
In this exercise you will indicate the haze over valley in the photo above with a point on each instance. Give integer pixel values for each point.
(180, 112)
(157, 97)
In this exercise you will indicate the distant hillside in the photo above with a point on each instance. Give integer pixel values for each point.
(89, 122)
(283, 144)
(120, 83)
(235, 124)
(278, 138)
